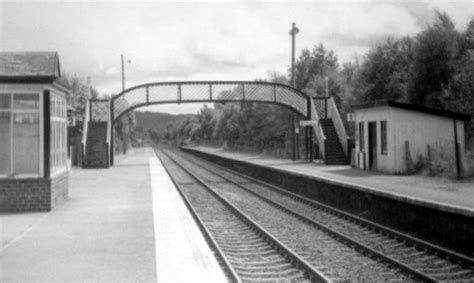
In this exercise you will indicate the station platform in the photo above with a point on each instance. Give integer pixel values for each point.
(123, 224)
(446, 194)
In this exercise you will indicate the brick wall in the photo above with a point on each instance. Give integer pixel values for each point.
(33, 194)
(59, 189)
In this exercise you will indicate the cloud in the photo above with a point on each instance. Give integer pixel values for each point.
(362, 24)
(423, 11)
(355, 40)
(202, 40)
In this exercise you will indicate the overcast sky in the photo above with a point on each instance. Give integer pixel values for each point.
(204, 40)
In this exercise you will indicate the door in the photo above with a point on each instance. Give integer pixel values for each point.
(372, 134)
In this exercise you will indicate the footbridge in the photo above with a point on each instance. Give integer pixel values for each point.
(102, 114)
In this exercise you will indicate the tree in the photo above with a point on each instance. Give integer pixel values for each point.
(81, 92)
(77, 99)
(434, 57)
(384, 73)
(207, 123)
(124, 131)
(460, 96)
(313, 67)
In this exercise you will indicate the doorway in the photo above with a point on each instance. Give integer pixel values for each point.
(372, 145)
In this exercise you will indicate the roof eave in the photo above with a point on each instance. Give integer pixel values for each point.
(413, 107)
(27, 79)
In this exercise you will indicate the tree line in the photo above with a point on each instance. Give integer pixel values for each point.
(434, 68)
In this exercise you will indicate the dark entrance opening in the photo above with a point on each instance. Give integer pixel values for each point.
(372, 135)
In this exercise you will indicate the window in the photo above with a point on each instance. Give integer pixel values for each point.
(20, 153)
(383, 136)
(58, 156)
(361, 136)
(5, 136)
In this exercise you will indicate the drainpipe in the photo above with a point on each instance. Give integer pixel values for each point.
(456, 151)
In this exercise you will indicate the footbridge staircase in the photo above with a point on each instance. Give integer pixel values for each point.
(319, 115)
(331, 137)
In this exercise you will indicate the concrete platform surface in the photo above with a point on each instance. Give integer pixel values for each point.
(441, 193)
(118, 225)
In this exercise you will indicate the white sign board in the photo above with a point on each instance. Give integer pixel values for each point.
(71, 121)
(351, 117)
(306, 123)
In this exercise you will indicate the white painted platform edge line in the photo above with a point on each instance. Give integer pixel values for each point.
(213, 276)
(24, 233)
(152, 163)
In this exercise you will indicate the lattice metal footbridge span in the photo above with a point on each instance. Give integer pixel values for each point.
(102, 114)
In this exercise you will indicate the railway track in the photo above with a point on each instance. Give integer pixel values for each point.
(337, 261)
(247, 251)
(421, 259)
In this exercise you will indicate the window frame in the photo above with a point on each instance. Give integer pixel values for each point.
(9, 110)
(12, 110)
(361, 131)
(383, 137)
(58, 134)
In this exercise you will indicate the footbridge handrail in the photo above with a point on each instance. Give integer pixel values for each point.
(318, 130)
(209, 91)
(110, 110)
(85, 127)
(333, 113)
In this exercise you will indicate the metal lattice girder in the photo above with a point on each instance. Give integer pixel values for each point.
(228, 91)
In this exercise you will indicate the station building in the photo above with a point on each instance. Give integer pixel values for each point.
(392, 137)
(33, 132)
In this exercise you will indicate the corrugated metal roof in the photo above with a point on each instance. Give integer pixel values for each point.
(29, 64)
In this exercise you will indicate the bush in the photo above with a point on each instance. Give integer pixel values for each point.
(441, 164)
(436, 163)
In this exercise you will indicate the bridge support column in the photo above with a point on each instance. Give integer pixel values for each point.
(112, 151)
(296, 138)
(306, 143)
(111, 121)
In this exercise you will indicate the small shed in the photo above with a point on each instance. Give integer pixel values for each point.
(396, 137)
(33, 132)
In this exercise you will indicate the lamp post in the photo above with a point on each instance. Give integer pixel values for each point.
(123, 70)
(294, 30)
(112, 128)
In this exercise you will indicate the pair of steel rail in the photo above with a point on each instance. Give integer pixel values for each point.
(464, 261)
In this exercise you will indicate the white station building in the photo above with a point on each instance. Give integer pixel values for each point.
(393, 136)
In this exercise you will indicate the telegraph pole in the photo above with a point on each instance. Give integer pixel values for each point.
(123, 70)
(123, 73)
(294, 30)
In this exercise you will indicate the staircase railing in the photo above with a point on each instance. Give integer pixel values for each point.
(318, 130)
(333, 113)
(85, 128)
(108, 142)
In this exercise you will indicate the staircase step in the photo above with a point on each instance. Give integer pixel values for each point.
(333, 149)
(96, 150)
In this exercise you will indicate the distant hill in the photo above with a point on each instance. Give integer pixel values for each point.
(157, 120)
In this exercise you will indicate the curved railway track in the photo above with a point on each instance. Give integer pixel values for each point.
(247, 251)
(421, 259)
